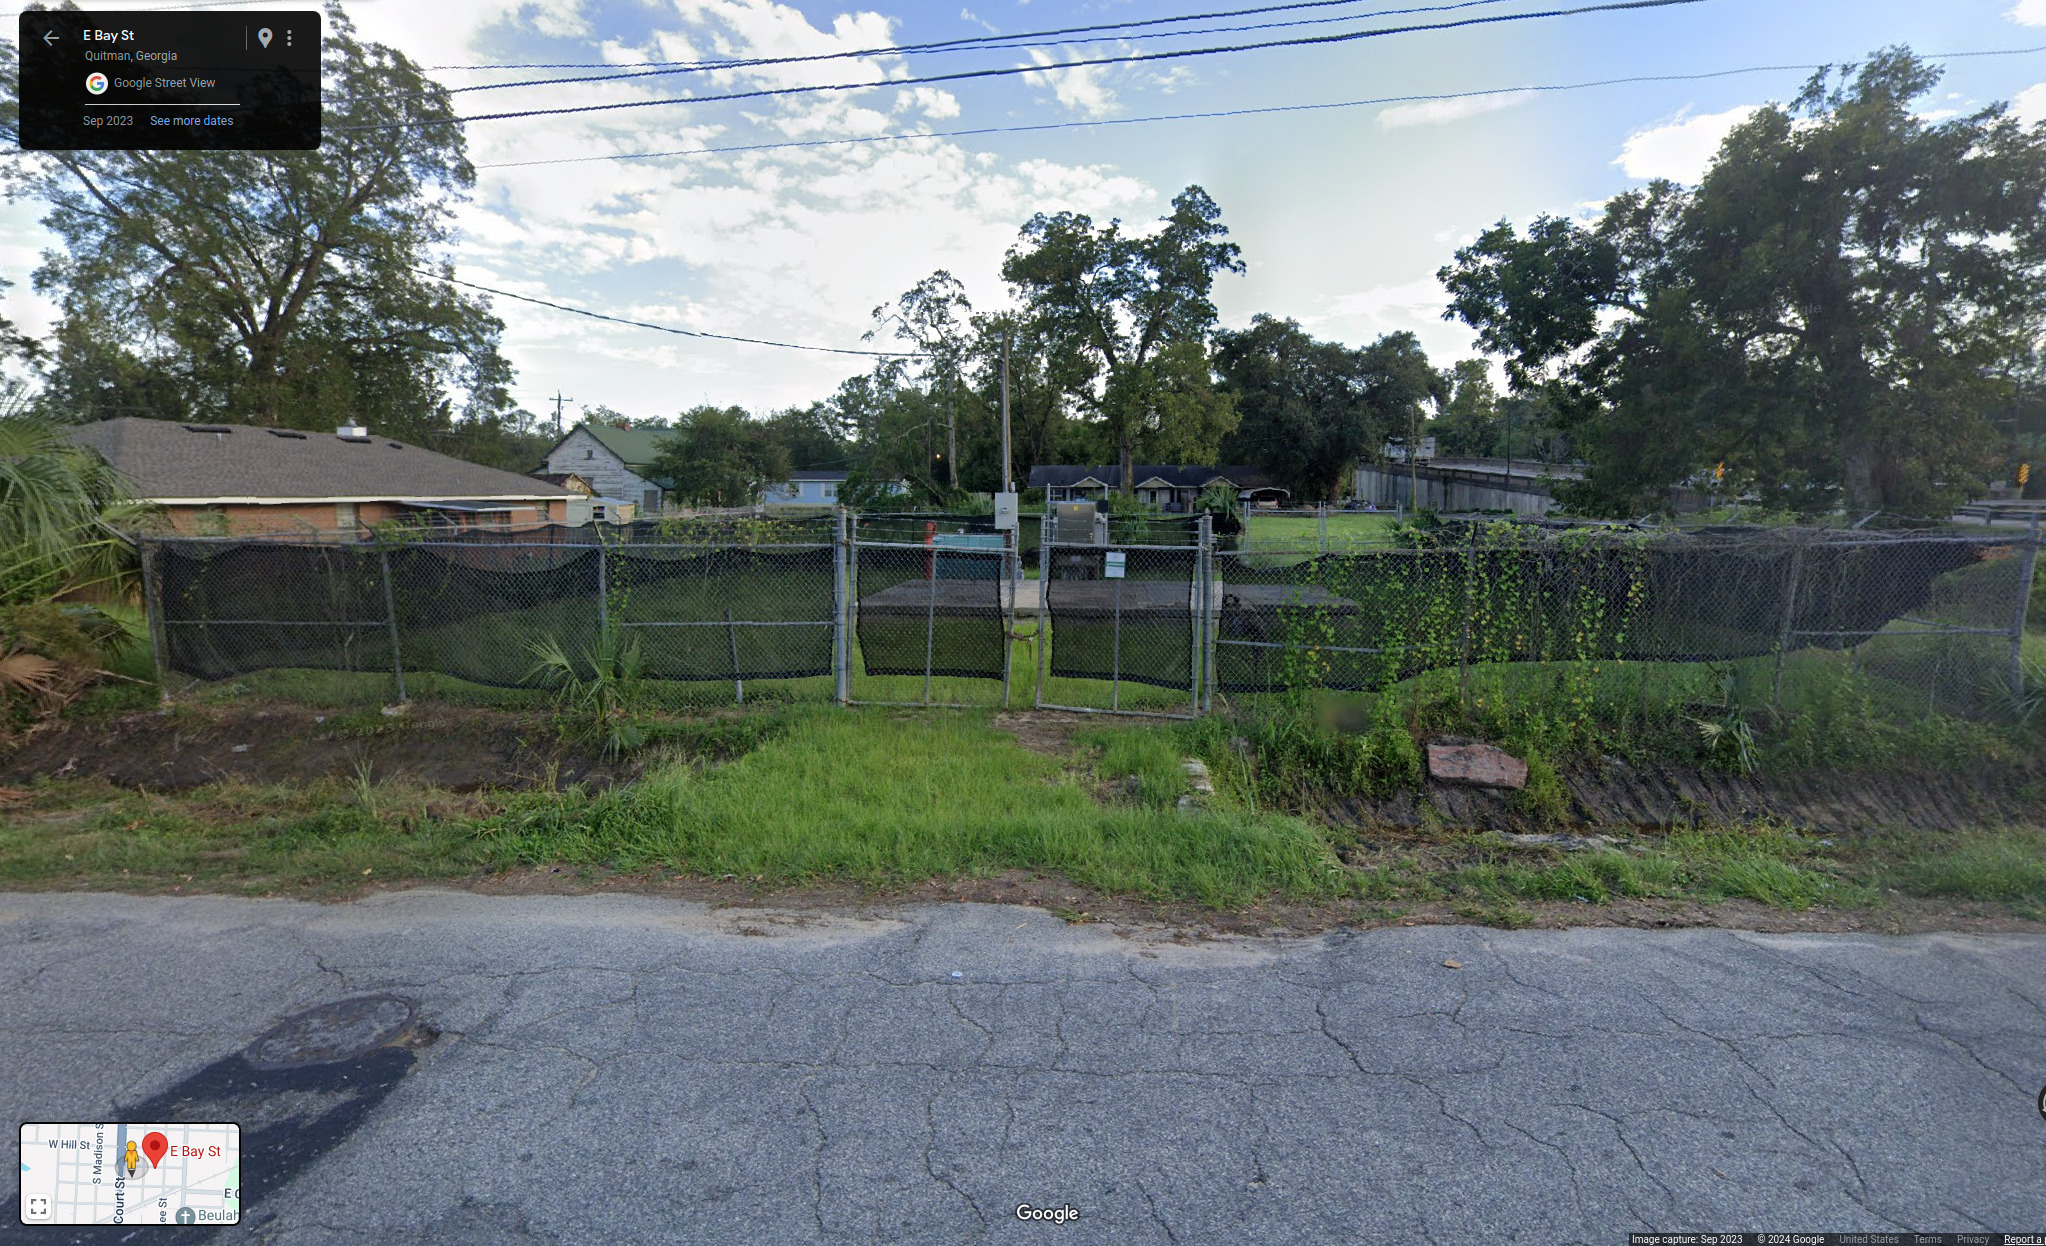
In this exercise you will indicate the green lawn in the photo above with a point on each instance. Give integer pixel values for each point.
(1296, 532)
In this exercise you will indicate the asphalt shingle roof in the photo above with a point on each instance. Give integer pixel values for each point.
(169, 462)
(636, 446)
(1178, 477)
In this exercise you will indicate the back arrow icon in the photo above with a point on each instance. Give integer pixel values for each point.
(50, 37)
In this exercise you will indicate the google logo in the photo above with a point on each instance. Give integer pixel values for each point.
(96, 83)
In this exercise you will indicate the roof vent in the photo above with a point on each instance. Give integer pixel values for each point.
(285, 432)
(206, 428)
(353, 432)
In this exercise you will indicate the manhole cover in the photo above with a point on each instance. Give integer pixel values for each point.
(332, 1032)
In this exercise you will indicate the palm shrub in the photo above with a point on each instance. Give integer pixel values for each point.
(603, 694)
(62, 509)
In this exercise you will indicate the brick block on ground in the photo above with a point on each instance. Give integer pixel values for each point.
(1481, 765)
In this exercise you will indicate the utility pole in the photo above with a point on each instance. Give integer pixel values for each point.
(558, 400)
(1008, 481)
(1414, 462)
(1509, 450)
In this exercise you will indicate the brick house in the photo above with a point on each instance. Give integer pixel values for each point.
(238, 479)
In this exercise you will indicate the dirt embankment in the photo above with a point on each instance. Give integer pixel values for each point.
(1624, 797)
(462, 750)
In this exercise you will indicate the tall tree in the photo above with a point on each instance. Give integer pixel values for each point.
(1110, 304)
(812, 436)
(272, 287)
(1829, 312)
(719, 457)
(933, 316)
(1307, 406)
(1400, 386)
(1468, 424)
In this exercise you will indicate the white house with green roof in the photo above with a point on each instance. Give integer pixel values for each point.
(614, 462)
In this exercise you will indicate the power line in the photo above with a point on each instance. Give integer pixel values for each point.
(662, 328)
(1377, 101)
(1613, 6)
(655, 69)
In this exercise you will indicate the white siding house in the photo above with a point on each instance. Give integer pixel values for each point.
(613, 462)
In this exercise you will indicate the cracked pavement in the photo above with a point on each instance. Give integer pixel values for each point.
(635, 1069)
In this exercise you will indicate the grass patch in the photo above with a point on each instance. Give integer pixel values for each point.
(889, 798)
(1767, 864)
(1146, 759)
(886, 799)
(2007, 865)
(322, 836)
(1346, 529)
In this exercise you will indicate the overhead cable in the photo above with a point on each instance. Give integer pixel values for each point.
(656, 69)
(663, 328)
(1613, 6)
(1377, 101)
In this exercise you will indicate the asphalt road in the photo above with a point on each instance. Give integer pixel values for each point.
(632, 1069)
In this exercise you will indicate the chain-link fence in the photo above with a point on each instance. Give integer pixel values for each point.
(696, 621)
(1147, 616)
(1935, 620)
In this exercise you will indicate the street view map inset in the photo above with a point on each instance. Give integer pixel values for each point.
(131, 1174)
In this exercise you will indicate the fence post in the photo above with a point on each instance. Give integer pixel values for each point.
(2017, 628)
(1789, 622)
(1197, 607)
(391, 618)
(732, 636)
(603, 592)
(1043, 597)
(1463, 653)
(1321, 527)
(931, 620)
(1008, 586)
(839, 554)
(1204, 634)
(152, 615)
(1115, 645)
(852, 595)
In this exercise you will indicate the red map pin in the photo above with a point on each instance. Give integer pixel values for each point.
(154, 1145)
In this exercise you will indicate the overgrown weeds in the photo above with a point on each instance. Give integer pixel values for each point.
(888, 800)
(2007, 865)
(1283, 755)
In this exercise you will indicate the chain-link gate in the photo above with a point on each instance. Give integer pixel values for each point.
(933, 618)
(1121, 625)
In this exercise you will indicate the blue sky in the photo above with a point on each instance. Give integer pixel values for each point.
(1343, 215)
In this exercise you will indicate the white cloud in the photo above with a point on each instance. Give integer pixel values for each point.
(1366, 314)
(1083, 90)
(1681, 150)
(2029, 105)
(1442, 112)
(2029, 12)
(793, 245)
(930, 101)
